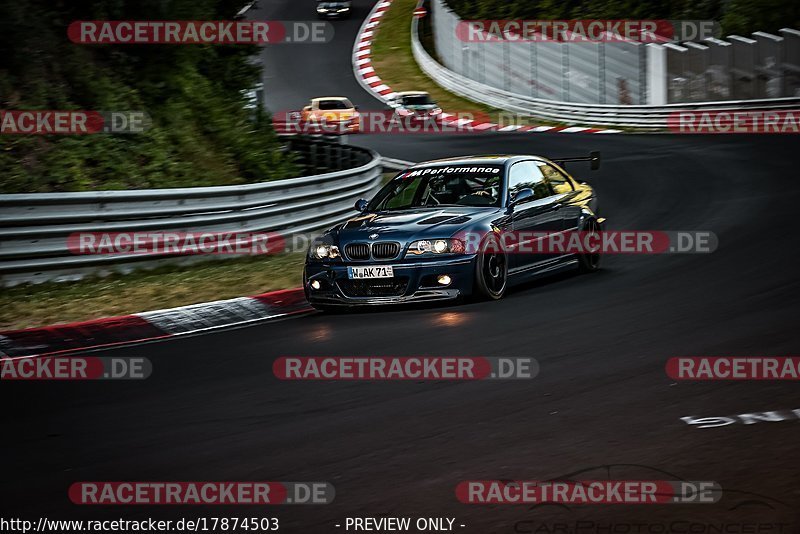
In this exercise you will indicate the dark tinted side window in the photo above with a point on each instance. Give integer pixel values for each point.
(558, 182)
(526, 174)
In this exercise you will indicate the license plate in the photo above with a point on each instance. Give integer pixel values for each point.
(356, 273)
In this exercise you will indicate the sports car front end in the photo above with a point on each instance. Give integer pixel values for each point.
(366, 262)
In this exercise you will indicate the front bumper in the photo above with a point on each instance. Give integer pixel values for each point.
(417, 118)
(414, 281)
(338, 126)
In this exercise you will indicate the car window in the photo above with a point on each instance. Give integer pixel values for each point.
(325, 105)
(558, 182)
(417, 100)
(526, 174)
(402, 193)
(447, 185)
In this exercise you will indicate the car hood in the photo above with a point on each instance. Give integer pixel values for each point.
(408, 225)
(335, 114)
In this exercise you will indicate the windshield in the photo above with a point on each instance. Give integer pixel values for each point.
(334, 104)
(417, 100)
(441, 186)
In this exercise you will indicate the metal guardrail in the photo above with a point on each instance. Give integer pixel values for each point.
(637, 116)
(395, 164)
(34, 227)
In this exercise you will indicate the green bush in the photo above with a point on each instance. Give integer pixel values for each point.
(200, 134)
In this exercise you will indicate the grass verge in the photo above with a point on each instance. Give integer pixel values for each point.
(394, 62)
(32, 305)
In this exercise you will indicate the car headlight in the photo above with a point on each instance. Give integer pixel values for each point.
(436, 246)
(321, 251)
(322, 10)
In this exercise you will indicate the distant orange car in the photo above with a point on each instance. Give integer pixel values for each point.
(333, 113)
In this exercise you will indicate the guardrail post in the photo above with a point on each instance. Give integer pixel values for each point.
(352, 157)
(697, 65)
(313, 155)
(769, 82)
(601, 73)
(790, 61)
(564, 49)
(656, 74)
(719, 69)
(326, 165)
(744, 67)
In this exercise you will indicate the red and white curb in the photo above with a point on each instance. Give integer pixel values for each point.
(372, 83)
(152, 325)
(362, 54)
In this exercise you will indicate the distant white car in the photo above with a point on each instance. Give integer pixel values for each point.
(415, 104)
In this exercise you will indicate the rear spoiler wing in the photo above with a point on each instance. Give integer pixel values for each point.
(593, 159)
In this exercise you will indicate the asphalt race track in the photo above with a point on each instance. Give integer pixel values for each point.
(295, 73)
(602, 403)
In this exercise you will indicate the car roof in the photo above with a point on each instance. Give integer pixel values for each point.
(491, 159)
(413, 93)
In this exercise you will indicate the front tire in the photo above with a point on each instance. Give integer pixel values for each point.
(491, 270)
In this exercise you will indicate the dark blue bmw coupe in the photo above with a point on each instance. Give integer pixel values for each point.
(433, 232)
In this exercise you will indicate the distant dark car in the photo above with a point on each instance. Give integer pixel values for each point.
(409, 242)
(415, 105)
(333, 9)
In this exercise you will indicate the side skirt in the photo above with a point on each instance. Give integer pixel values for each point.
(544, 268)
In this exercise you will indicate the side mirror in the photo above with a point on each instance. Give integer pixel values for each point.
(594, 159)
(361, 205)
(521, 196)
